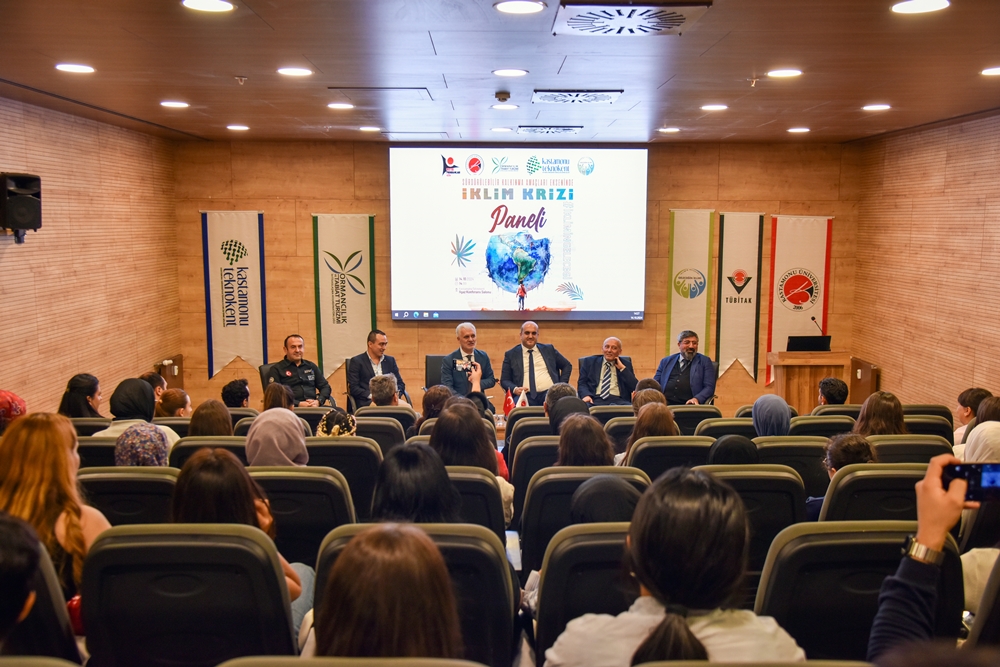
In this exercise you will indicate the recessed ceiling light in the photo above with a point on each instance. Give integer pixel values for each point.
(502, 129)
(174, 105)
(798, 130)
(77, 69)
(208, 5)
(339, 105)
(714, 107)
(504, 107)
(876, 107)
(784, 73)
(992, 71)
(295, 71)
(669, 130)
(238, 128)
(519, 6)
(919, 6)
(370, 128)
(510, 72)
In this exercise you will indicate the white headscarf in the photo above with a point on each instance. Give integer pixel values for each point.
(983, 443)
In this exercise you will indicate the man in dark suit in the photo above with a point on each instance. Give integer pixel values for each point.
(467, 369)
(533, 367)
(368, 364)
(607, 379)
(686, 377)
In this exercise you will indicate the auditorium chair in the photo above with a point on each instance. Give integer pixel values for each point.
(130, 495)
(581, 574)
(718, 427)
(762, 663)
(605, 413)
(351, 404)
(404, 414)
(86, 426)
(242, 427)
(546, 505)
(191, 594)
(482, 503)
(96, 452)
(873, 492)
(821, 584)
(526, 427)
(930, 425)
(655, 455)
(427, 426)
(239, 413)
(185, 447)
(46, 631)
(419, 440)
(687, 417)
(747, 411)
(851, 410)
(388, 433)
(985, 631)
(178, 425)
(930, 409)
(908, 448)
(432, 370)
(311, 416)
(534, 454)
(357, 459)
(264, 370)
(34, 662)
(980, 527)
(306, 503)
(619, 430)
(355, 662)
(515, 415)
(824, 426)
(802, 453)
(480, 575)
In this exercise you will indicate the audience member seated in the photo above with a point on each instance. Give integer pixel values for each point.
(433, 404)
(209, 419)
(460, 438)
(556, 393)
(881, 414)
(142, 445)
(832, 391)
(983, 444)
(469, 403)
(11, 407)
(583, 442)
(82, 397)
(841, 450)
(215, 487)
(968, 405)
(989, 411)
(647, 383)
(336, 423)
(771, 416)
(19, 556)
(653, 419)
(563, 408)
(687, 547)
(173, 403)
(278, 396)
(133, 402)
(156, 381)
(481, 401)
(413, 486)
(733, 449)
(236, 394)
(385, 391)
(389, 595)
(39, 461)
(603, 498)
(276, 439)
(648, 395)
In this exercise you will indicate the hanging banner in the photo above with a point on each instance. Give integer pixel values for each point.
(343, 250)
(232, 245)
(800, 279)
(690, 272)
(737, 323)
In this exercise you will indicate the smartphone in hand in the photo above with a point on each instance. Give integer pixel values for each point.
(983, 479)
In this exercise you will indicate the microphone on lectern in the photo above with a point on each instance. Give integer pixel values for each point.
(817, 326)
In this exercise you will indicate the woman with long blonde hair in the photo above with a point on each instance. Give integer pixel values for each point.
(39, 460)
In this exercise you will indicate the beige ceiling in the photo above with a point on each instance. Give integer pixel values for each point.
(437, 56)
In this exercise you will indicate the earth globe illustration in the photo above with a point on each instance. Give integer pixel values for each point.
(511, 258)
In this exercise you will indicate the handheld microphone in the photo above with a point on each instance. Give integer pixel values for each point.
(818, 326)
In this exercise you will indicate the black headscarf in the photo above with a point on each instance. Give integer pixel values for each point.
(603, 498)
(733, 450)
(133, 399)
(564, 407)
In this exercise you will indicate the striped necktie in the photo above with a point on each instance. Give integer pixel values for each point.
(606, 380)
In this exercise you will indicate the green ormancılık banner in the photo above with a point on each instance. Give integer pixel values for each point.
(737, 324)
(343, 261)
(690, 274)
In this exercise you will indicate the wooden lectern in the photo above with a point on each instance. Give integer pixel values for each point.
(797, 375)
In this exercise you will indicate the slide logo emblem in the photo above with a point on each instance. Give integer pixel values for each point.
(448, 166)
(585, 165)
(474, 164)
(690, 283)
(798, 289)
(233, 251)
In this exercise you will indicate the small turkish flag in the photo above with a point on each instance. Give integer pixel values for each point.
(508, 404)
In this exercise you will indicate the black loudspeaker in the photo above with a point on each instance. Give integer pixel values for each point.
(20, 203)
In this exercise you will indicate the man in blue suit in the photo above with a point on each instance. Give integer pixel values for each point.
(367, 365)
(533, 367)
(607, 379)
(467, 369)
(686, 377)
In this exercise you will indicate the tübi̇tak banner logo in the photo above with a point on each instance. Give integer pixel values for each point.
(235, 286)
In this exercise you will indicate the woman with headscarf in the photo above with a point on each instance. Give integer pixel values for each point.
(276, 439)
(983, 444)
(771, 416)
(133, 402)
(141, 445)
(11, 407)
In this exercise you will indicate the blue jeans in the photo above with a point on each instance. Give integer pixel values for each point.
(304, 602)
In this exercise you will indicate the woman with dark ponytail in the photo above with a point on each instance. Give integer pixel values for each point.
(687, 547)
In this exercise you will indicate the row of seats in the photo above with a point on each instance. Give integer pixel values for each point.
(279, 661)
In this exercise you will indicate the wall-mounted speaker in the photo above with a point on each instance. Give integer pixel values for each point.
(20, 203)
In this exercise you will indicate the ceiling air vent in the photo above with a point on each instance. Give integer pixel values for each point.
(549, 129)
(575, 96)
(620, 20)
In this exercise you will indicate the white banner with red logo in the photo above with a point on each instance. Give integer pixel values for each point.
(232, 244)
(800, 279)
(690, 274)
(737, 323)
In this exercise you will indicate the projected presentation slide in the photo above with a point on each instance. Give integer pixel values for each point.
(532, 233)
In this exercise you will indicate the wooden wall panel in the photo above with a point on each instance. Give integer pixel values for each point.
(928, 246)
(96, 289)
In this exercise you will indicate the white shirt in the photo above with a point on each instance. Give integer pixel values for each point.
(729, 635)
(542, 378)
(376, 369)
(119, 426)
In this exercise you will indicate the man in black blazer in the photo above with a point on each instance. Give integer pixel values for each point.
(467, 369)
(533, 367)
(368, 364)
(607, 379)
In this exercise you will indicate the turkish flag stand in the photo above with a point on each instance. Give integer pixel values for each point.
(508, 404)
